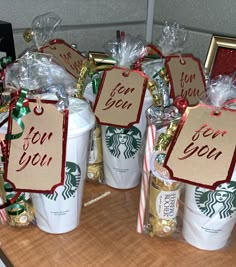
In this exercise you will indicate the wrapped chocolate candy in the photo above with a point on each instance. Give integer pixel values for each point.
(95, 162)
(158, 217)
(21, 212)
(164, 193)
(95, 171)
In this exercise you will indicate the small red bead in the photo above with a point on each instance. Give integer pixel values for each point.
(181, 104)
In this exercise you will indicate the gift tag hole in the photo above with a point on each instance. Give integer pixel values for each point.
(182, 61)
(216, 113)
(38, 110)
(126, 73)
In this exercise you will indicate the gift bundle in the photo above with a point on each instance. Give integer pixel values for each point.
(187, 189)
(47, 135)
(137, 114)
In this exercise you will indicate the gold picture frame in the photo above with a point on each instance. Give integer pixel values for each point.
(219, 43)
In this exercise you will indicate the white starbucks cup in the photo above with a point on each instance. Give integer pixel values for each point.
(123, 151)
(209, 215)
(59, 212)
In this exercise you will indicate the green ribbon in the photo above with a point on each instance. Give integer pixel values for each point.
(95, 84)
(19, 199)
(17, 113)
(4, 61)
(15, 209)
(8, 187)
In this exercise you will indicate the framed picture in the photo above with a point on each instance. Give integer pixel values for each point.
(221, 57)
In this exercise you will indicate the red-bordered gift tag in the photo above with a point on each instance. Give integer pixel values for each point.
(66, 55)
(186, 78)
(120, 97)
(35, 162)
(203, 150)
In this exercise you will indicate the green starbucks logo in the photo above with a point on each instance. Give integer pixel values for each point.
(221, 201)
(72, 180)
(123, 142)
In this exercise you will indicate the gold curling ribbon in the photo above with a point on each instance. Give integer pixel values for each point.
(88, 68)
(84, 71)
(101, 58)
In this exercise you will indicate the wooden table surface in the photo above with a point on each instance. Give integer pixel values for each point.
(107, 236)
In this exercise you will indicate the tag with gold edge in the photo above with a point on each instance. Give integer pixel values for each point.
(203, 150)
(120, 97)
(35, 162)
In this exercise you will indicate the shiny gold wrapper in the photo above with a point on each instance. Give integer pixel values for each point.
(162, 185)
(95, 163)
(164, 193)
(95, 172)
(156, 94)
(161, 228)
(21, 215)
(163, 142)
(86, 67)
(96, 155)
(28, 35)
(4, 108)
(101, 58)
(163, 207)
(164, 75)
(172, 128)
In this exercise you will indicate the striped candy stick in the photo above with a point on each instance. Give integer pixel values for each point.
(3, 214)
(150, 139)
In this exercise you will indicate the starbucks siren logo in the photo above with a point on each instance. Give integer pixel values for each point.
(122, 141)
(72, 180)
(221, 201)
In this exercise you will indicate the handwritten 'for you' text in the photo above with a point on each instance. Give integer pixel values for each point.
(113, 102)
(204, 133)
(34, 137)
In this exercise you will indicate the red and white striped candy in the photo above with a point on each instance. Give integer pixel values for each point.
(150, 139)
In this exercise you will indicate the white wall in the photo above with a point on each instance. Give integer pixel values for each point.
(91, 23)
(202, 18)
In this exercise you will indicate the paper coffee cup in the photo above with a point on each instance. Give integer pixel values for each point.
(123, 151)
(60, 212)
(209, 215)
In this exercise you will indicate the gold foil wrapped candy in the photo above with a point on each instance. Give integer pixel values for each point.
(28, 35)
(164, 193)
(164, 75)
(95, 172)
(20, 213)
(161, 227)
(95, 163)
(156, 93)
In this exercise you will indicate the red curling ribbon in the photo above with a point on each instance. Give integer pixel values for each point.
(229, 103)
(3, 149)
(156, 50)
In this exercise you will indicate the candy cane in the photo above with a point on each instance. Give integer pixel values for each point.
(150, 139)
(3, 214)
